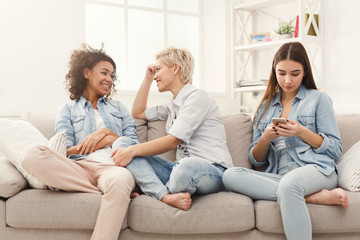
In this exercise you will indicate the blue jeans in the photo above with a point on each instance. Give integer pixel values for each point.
(157, 176)
(288, 188)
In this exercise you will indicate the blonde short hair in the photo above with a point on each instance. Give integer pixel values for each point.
(182, 57)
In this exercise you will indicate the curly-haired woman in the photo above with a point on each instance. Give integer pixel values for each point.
(92, 122)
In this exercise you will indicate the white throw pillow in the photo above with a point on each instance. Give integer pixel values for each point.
(58, 143)
(15, 136)
(349, 169)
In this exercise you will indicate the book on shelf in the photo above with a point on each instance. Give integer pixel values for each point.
(262, 82)
(297, 27)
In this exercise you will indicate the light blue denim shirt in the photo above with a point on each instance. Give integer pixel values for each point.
(78, 119)
(312, 109)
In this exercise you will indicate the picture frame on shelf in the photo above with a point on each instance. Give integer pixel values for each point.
(311, 31)
(258, 37)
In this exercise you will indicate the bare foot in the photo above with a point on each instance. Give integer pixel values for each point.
(134, 195)
(336, 196)
(178, 200)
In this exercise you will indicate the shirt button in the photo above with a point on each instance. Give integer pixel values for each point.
(93, 128)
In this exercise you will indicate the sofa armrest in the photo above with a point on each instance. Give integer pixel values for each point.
(11, 180)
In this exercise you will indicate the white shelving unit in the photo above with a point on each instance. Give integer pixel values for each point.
(245, 20)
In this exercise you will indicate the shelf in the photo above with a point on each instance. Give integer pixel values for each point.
(250, 89)
(260, 4)
(247, 60)
(267, 45)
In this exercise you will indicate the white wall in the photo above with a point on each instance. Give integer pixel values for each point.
(36, 41)
(342, 44)
(37, 37)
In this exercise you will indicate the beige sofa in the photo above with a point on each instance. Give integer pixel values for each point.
(44, 214)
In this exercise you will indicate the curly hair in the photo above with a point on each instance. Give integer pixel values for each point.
(85, 57)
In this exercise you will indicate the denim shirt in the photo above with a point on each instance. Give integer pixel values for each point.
(78, 119)
(313, 110)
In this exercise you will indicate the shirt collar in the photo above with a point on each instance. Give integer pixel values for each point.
(300, 95)
(179, 100)
(84, 102)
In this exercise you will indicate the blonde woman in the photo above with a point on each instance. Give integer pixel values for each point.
(194, 128)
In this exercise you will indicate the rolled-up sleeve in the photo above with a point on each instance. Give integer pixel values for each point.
(156, 113)
(128, 124)
(328, 129)
(191, 115)
(63, 122)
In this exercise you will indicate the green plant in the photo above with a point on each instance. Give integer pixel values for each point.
(285, 27)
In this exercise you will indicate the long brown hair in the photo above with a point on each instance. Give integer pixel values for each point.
(85, 57)
(294, 51)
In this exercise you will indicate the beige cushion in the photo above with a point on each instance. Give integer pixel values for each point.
(349, 129)
(11, 181)
(222, 212)
(324, 218)
(141, 128)
(3, 230)
(45, 123)
(238, 129)
(349, 169)
(58, 210)
(15, 136)
(157, 129)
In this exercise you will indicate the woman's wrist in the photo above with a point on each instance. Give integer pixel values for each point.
(134, 151)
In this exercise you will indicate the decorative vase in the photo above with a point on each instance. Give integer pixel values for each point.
(285, 36)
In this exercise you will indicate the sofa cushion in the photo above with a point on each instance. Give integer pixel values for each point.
(45, 123)
(2, 219)
(11, 181)
(47, 209)
(238, 128)
(15, 136)
(156, 129)
(222, 212)
(324, 218)
(142, 129)
(350, 135)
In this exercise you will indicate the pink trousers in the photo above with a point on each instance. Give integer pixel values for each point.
(115, 183)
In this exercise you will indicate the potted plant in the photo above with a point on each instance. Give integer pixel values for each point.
(285, 29)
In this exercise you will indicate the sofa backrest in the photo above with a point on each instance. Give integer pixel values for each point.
(349, 127)
(238, 129)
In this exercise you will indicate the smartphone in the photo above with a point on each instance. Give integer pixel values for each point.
(279, 120)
